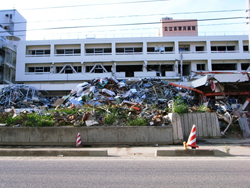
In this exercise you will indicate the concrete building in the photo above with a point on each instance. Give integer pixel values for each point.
(171, 27)
(12, 29)
(58, 65)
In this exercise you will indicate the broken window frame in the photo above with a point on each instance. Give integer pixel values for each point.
(184, 48)
(200, 66)
(67, 69)
(97, 68)
(244, 66)
(163, 50)
(225, 66)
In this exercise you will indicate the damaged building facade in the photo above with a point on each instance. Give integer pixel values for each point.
(58, 65)
(12, 29)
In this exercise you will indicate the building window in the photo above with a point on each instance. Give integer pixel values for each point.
(168, 49)
(200, 67)
(244, 66)
(183, 48)
(224, 66)
(165, 28)
(184, 28)
(98, 50)
(222, 48)
(39, 52)
(179, 28)
(245, 48)
(78, 68)
(128, 50)
(199, 48)
(189, 28)
(175, 28)
(58, 69)
(170, 28)
(193, 28)
(38, 69)
(68, 51)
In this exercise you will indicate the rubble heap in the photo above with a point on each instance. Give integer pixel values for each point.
(21, 96)
(111, 91)
(107, 101)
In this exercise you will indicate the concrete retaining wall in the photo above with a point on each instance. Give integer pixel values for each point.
(66, 136)
(207, 125)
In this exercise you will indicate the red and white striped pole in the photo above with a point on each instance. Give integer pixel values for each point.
(78, 141)
(192, 138)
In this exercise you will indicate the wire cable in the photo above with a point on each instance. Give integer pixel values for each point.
(98, 4)
(128, 24)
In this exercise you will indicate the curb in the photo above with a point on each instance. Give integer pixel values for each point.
(196, 152)
(53, 152)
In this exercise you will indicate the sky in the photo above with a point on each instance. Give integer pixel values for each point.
(71, 19)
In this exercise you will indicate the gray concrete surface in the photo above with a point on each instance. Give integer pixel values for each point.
(66, 136)
(124, 172)
(239, 147)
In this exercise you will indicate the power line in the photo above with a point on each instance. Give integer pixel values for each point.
(129, 24)
(98, 4)
(134, 29)
(131, 16)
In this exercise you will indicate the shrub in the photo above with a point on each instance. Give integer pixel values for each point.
(36, 120)
(110, 119)
(137, 121)
(180, 107)
(203, 108)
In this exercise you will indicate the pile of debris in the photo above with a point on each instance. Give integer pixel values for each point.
(107, 101)
(21, 96)
(109, 91)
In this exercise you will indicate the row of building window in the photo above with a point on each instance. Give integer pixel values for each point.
(134, 50)
(163, 68)
(180, 28)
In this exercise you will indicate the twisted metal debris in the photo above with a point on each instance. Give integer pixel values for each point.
(20, 96)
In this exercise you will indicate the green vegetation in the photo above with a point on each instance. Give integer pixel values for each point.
(179, 106)
(110, 118)
(202, 108)
(37, 120)
(140, 121)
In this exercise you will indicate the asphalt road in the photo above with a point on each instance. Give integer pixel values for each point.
(117, 172)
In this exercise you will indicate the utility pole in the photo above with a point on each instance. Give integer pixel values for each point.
(248, 22)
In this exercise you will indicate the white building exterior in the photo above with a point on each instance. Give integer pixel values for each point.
(57, 65)
(12, 29)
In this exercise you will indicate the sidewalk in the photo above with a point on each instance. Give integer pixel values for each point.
(235, 147)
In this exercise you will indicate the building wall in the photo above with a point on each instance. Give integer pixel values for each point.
(125, 58)
(12, 29)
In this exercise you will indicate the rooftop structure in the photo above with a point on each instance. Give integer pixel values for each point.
(171, 27)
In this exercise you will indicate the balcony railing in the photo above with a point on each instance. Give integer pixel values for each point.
(75, 54)
(128, 53)
(233, 51)
(172, 52)
(38, 55)
(97, 54)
